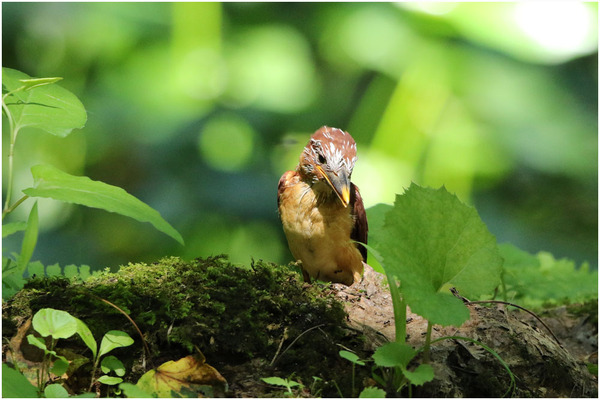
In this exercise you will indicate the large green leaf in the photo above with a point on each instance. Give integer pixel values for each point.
(56, 323)
(43, 105)
(56, 184)
(431, 241)
(15, 385)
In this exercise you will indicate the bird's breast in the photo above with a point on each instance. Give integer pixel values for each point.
(318, 231)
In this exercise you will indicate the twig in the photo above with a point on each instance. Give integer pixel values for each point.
(283, 337)
(295, 340)
(130, 320)
(467, 301)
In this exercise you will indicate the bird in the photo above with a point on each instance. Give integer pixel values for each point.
(322, 211)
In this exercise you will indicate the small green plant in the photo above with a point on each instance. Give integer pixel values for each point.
(286, 383)
(427, 243)
(56, 324)
(355, 360)
(41, 103)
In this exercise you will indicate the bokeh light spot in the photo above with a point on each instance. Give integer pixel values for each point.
(271, 68)
(559, 27)
(226, 142)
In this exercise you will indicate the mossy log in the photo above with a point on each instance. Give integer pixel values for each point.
(261, 321)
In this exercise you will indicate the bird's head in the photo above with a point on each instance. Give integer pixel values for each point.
(328, 159)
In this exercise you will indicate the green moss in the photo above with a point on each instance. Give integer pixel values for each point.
(232, 314)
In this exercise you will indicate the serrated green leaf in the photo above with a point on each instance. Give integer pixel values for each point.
(71, 271)
(86, 335)
(29, 239)
(52, 183)
(55, 390)
(84, 272)
(113, 340)
(53, 270)
(36, 268)
(112, 363)
(109, 380)
(372, 393)
(15, 385)
(353, 358)
(56, 323)
(431, 240)
(422, 374)
(12, 227)
(12, 282)
(394, 354)
(49, 107)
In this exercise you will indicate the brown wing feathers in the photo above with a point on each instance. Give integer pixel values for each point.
(361, 227)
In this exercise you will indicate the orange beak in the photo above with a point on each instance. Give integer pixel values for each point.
(340, 183)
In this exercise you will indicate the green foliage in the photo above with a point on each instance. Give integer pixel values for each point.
(372, 393)
(112, 363)
(12, 277)
(49, 107)
(399, 355)
(430, 241)
(53, 183)
(231, 312)
(59, 324)
(113, 340)
(29, 239)
(286, 383)
(55, 390)
(56, 323)
(426, 243)
(353, 358)
(13, 227)
(15, 385)
(536, 281)
(394, 355)
(40, 103)
(134, 391)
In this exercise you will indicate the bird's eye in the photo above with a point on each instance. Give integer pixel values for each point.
(322, 159)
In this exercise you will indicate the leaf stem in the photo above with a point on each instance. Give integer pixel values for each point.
(399, 309)
(12, 208)
(427, 343)
(13, 137)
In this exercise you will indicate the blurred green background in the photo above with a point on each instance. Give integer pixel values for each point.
(198, 108)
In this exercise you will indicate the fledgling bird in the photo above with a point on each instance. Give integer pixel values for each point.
(322, 211)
